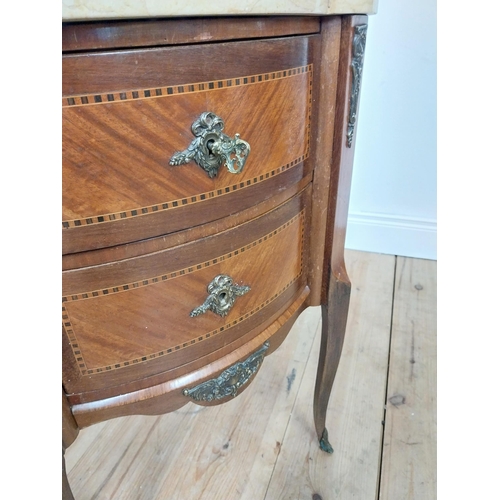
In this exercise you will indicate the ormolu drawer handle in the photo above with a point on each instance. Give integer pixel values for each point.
(230, 380)
(211, 148)
(222, 294)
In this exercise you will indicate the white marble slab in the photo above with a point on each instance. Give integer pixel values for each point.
(79, 10)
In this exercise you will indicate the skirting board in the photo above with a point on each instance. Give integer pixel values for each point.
(393, 235)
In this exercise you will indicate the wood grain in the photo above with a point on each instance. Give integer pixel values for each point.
(233, 450)
(275, 196)
(184, 258)
(128, 347)
(125, 318)
(325, 98)
(157, 32)
(69, 426)
(132, 69)
(122, 180)
(161, 223)
(356, 407)
(67, 494)
(334, 160)
(409, 452)
(114, 329)
(154, 372)
(168, 396)
(140, 136)
(336, 285)
(342, 161)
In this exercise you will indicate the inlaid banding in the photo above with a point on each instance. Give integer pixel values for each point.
(162, 93)
(138, 212)
(155, 93)
(181, 272)
(72, 336)
(85, 371)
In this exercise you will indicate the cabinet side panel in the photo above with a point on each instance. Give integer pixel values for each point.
(350, 69)
(325, 98)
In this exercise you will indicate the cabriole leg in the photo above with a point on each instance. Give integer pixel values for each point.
(334, 321)
(69, 433)
(66, 490)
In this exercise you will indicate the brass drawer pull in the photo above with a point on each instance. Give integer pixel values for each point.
(230, 380)
(211, 149)
(222, 294)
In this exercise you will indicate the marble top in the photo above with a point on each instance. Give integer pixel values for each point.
(86, 10)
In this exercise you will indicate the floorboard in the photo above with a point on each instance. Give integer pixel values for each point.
(262, 445)
(409, 451)
(356, 408)
(223, 452)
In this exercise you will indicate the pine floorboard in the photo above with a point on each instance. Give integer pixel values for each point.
(409, 448)
(262, 446)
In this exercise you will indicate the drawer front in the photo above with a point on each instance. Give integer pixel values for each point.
(131, 319)
(120, 133)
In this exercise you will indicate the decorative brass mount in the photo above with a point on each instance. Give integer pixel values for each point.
(222, 295)
(358, 53)
(211, 149)
(230, 380)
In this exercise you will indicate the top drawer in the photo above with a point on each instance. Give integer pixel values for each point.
(126, 113)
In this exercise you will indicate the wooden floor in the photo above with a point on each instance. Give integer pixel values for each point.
(262, 445)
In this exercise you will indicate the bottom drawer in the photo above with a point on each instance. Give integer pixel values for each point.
(130, 324)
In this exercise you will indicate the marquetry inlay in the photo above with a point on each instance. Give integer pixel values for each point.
(166, 92)
(137, 212)
(116, 97)
(72, 333)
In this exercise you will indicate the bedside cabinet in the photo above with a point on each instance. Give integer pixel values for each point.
(206, 176)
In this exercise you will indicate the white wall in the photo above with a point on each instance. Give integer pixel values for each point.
(393, 198)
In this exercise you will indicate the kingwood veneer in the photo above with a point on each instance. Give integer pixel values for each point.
(145, 231)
